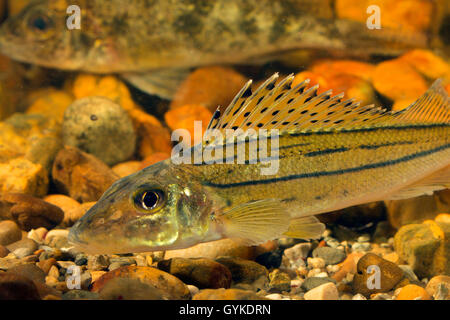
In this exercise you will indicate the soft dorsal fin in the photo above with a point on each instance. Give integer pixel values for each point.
(286, 108)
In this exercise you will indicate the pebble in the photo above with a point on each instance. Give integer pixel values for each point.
(316, 263)
(359, 296)
(200, 272)
(74, 214)
(313, 282)
(30, 212)
(213, 249)
(132, 282)
(98, 262)
(57, 238)
(81, 259)
(124, 169)
(434, 284)
(193, 289)
(38, 234)
(17, 287)
(101, 127)
(29, 270)
(270, 259)
(23, 248)
(83, 176)
(227, 294)
(364, 238)
(9, 232)
(390, 275)
(3, 251)
(279, 281)
(358, 246)
(297, 254)
(329, 255)
(244, 271)
(412, 292)
(326, 291)
(53, 272)
(45, 265)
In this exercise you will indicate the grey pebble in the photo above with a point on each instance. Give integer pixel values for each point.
(312, 282)
(99, 126)
(329, 255)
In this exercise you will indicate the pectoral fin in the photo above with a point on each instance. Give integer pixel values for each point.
(163, 82)
(305, 228)
(256, 222)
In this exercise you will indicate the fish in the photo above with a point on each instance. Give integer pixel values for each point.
(333, 153)
(154, 44)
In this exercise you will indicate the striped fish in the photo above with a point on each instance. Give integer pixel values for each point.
(332, 153)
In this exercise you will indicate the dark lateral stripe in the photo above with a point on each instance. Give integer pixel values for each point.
(330, 173)
(420, 126)
(389, 144)
(326, 151)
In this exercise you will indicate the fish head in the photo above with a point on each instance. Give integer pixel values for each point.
(151, 210)
(39, 35)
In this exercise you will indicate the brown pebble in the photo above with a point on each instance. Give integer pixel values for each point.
(9, 232)
(45, 265)
(390, 274)
(3, 251)
(17, 287)
(30, 212)
(84, 177)
(200, 272)
(227, 294)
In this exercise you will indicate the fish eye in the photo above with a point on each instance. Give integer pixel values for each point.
(149, 200)
(40, 22)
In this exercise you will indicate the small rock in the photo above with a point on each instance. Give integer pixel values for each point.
(279, 281)
(23, 248)
(143, 280)
(30, 271)
(193, 289)
(45, 265)
(29, 212)
(126, 168)
(326, 291)
(100, 127)
(329, 255)
(297, 254)
(57, 238)
(64, 202)
(98, 262)
(364, 238)
(73, 215)
(359, 296)
(81, 259)
(201, 88)
(9, 232)
(84, 177)
(413, 292)
(3, 251)
(358, 246)
(316, 263)
(435, 282)
(423, 247)
(313, 282)
(244, 271)
(213, 249)
(80, 295)
(37, 235)
(95, 275)
(53, 272)
(390, 275)
(17, 287)
(227, 294)
(201, 272)
(271, 259)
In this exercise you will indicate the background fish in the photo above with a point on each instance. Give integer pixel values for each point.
(332, 154)
(168, 37)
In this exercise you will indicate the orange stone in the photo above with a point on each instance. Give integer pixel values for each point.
(152, 159)
(397, 80)
(427, 63)
(184, 117)
(314, 79)
(412, 292)
(329, 68)
(209, 87)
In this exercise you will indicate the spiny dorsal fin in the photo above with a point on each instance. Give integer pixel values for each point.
(299, 108)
